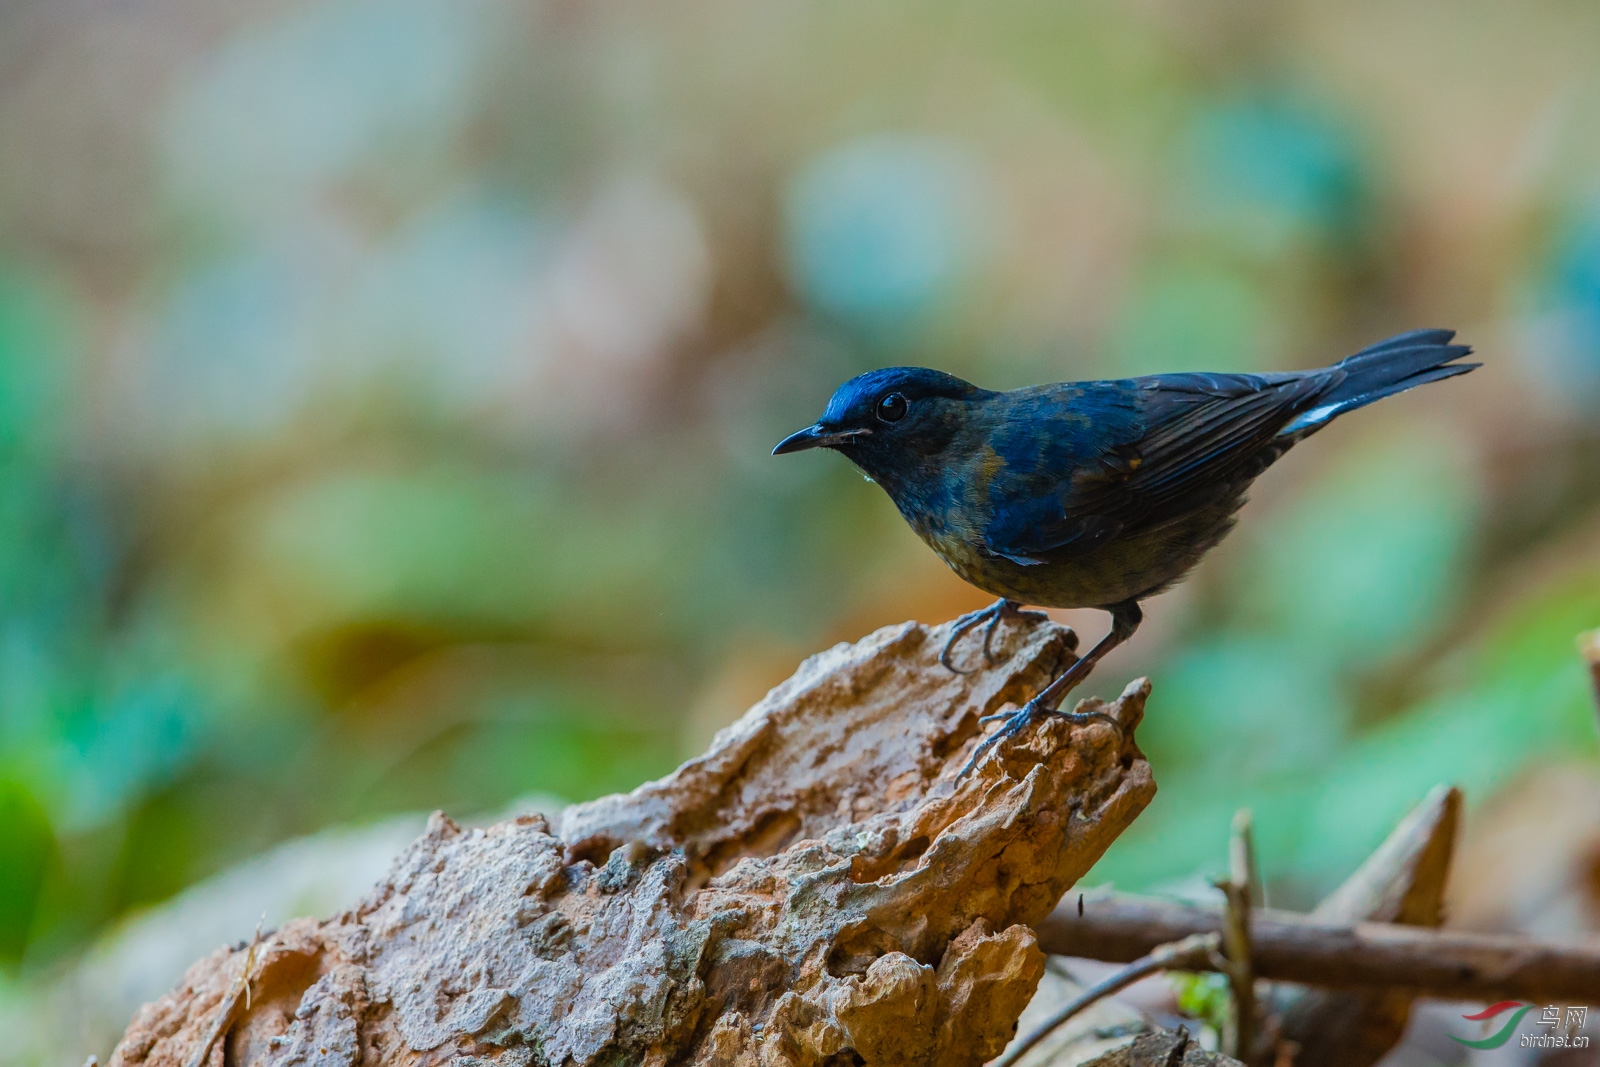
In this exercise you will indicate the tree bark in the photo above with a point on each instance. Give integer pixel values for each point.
(817, 888)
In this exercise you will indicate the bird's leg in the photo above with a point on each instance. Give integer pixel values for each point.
(1125, 619)
(993, 614)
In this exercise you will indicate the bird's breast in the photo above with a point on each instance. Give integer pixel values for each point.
(946, 515)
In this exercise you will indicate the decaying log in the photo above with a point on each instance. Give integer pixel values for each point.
(1291, 947)
(817, 888)
(1402, 882)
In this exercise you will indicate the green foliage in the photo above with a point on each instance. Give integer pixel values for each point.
(27, 847)
(1204, 997)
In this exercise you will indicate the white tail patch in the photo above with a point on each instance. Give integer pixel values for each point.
(1315, 417)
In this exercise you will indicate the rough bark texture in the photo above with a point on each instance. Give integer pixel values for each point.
(817, 888)
(1161, 1048)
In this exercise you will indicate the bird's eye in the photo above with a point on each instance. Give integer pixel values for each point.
(892, 408)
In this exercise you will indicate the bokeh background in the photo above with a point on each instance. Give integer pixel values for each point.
(387, 386)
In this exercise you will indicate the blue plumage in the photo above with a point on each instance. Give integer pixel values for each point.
(1092, 494)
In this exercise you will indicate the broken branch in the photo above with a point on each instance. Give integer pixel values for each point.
(1294, 948)
(1239, 889)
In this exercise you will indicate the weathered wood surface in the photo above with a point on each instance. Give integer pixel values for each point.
(815, 888)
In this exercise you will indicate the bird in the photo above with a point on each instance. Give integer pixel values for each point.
(1093, 494)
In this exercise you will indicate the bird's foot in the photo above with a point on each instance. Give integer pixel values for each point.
(1078, 718)
(1021, 719)
(992, 616)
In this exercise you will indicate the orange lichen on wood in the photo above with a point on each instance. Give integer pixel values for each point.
(818, 887)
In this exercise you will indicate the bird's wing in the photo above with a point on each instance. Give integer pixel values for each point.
(1146, 451)
(1035, 530)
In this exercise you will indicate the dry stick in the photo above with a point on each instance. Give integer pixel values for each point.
(1589, 649)
(1238, 889)
(1294, 948)
(1242, 856)
(240, 991)
(1402, 881)
(1192, 953)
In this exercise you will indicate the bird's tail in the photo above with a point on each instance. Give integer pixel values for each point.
(1388, 367)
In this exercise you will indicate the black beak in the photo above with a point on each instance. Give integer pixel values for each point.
(815, 436)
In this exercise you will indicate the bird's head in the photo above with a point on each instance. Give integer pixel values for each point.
(888, 420)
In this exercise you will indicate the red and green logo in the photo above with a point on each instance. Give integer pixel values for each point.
(1502, 1035)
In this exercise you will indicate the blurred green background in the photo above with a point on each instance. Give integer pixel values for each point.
(386, 391)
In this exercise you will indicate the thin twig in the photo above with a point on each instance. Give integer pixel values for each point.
(240, 990)
(1238, 889)
(1589, 649)
(1192, 953)
(1242, 856)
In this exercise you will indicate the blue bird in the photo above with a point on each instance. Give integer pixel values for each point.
(1091, 494)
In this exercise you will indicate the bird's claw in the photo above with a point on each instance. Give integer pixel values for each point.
(1084, 718)
(993, 613)
(1015, 722)
(1019, 720)
(958, 630)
